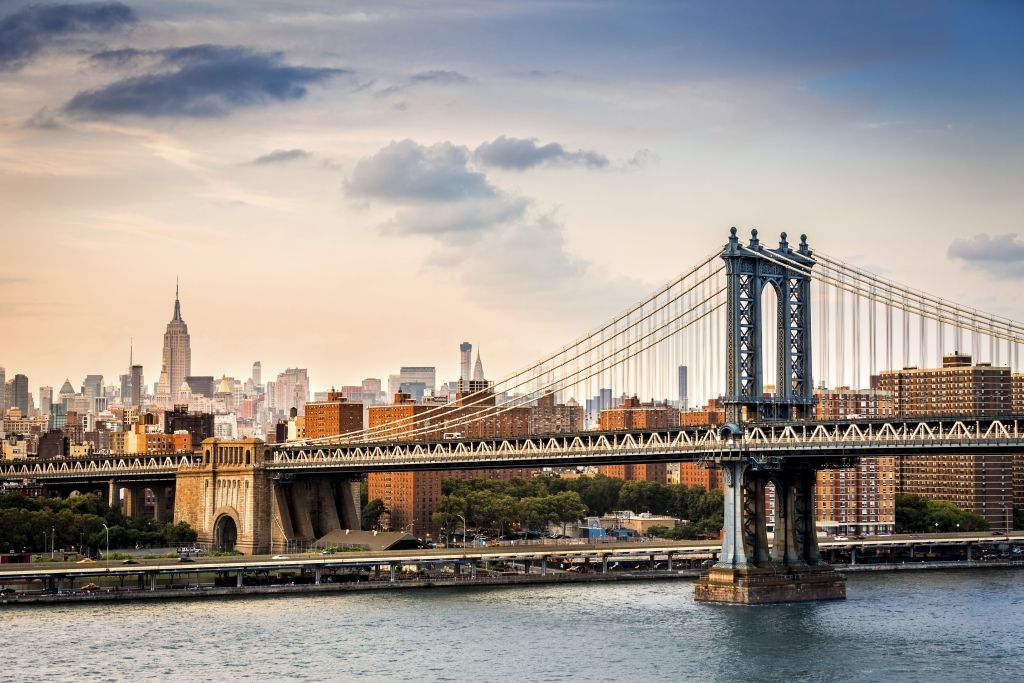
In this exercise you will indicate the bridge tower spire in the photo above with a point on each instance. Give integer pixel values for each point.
(749, 269)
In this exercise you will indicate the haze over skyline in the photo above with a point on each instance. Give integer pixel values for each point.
(354, 189)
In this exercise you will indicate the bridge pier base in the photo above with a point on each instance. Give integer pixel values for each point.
(791, 570)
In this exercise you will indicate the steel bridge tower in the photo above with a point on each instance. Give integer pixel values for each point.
(750, 570)
(749, 269)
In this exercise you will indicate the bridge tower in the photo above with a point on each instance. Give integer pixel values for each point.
(749, 269)
(751, 571)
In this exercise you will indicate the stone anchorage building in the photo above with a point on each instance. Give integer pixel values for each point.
(632, 414)
(982, 484)
(233, 502)
(861, 499)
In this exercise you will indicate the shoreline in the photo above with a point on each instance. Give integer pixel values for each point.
(194, 593)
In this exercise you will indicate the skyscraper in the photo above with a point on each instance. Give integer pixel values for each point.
(257, 373)
(465, 359)
(3, 391)
(92, 386)
(177, 357)
(684, 399)
(18, 393)
(478, 369)
(45, 400)
(137, 383)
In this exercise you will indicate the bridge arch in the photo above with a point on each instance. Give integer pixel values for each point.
(225, 530)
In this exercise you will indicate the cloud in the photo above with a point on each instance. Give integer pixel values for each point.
(198, 81)
(440, 76)
(1001, 255)
(280, 156)
(28, 31)
(43, 120)
(466, 216)
(520, 154)
(407, 172)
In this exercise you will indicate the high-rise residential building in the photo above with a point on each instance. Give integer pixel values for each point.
(465, 360)
(684, 397)
(860, 499)
(92, 386)
(257, 373)
(45, 400)
(177, 357)
(4, 404)
(632, 414)
(337, 415)
(982, 484)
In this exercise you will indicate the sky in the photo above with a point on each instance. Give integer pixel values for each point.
(352, 187)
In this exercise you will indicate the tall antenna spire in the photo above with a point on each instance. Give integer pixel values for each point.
(177, 304)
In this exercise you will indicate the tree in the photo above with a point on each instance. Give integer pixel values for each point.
(919, 514)
(372, 513)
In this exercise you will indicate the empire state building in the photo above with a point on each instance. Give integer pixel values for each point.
(177, 358)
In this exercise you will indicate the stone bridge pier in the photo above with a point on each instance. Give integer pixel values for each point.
(235, 503)
(790, 568)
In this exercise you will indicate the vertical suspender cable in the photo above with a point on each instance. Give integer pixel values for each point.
(856, 342)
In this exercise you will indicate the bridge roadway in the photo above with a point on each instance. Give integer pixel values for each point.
(828, 443)
(658, 549)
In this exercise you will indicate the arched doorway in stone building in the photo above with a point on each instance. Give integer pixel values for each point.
(225, 533)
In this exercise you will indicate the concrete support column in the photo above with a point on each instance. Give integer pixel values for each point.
(392, 569)
(239, 582)
(114, 495)
(303, 514)
(316, 575)
(968, 552)
(281, 519)
(853, 556)
(805, 517)
(670, 561)
(472, 570)
(544, 567)
(653, 563)
(152, 582)
(348, 503)
(328, 508)
(784, 547)
(745, 543)
(604, 564)
(160, 502)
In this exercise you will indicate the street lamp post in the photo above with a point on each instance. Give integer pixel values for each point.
(106, 557)
(53, 541)
(463, 528)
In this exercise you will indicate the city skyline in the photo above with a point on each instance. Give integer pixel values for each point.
(505, 178)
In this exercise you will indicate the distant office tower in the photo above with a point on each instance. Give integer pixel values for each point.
(201, 385)
(137, 383)
(126, 388)
(371, 390)
(412, 374)
(177, 357)
(465, 359)
(18, 393)
(684, 399)
(257, 373)
(291, 390)
(92, 386)
(478, 369)
(3, 391)
(45, 400)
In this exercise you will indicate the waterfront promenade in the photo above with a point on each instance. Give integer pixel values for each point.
(50, 583)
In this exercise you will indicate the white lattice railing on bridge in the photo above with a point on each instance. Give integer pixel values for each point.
(825, 439)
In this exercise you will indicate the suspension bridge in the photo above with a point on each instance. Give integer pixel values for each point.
(753, 325)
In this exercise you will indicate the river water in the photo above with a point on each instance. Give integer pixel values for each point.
(927, 626)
